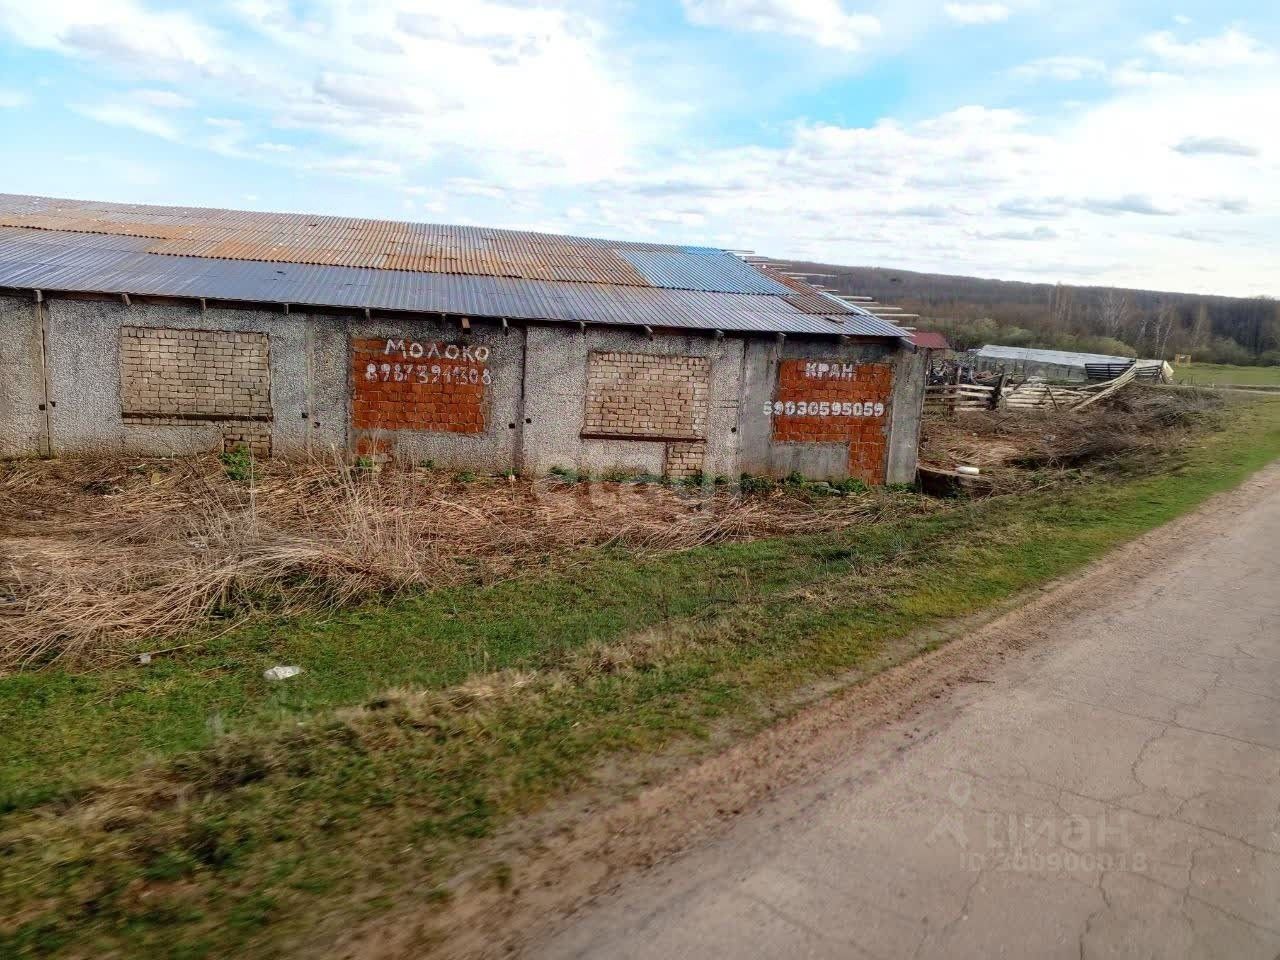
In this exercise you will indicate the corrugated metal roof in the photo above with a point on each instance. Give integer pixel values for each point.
(1062, 358)
(692, 268)
(930, 340)
(68, 261)
(389, 245)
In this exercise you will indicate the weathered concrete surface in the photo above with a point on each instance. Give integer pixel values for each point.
(534, 404)
(23, 421)
(1114, 794)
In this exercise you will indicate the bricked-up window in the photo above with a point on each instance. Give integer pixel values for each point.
(403, 384)
(646, 395)
(821, 401)
(194, 374)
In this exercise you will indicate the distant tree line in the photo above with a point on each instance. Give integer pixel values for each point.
(972, 311)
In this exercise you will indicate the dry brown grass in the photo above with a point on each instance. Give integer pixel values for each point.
(1139, 426)
(101, 559)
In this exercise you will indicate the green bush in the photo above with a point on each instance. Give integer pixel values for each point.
(757, 485)
(238, 464)
(851, 485)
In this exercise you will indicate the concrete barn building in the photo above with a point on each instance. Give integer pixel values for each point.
(171, 330)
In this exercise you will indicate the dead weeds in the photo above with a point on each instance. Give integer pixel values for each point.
(1141, 429)
(103, 559)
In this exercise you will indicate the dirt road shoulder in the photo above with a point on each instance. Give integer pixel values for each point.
(597, 854)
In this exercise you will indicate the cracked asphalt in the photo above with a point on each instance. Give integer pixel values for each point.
(1113, 793)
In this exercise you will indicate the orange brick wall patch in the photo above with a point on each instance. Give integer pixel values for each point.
(403, 384)
(833, 402)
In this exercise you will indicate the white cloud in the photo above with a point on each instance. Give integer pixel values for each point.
(977, 13)
(155, 42)
(1096, 195)
(10, 99)
(130, 116)
(1232, 48)
(360, 167)
(1065, 68)
(1215, 146)
(163, 99)
(529, 93)
(824, 23)
(1138, 203)
(1136, 73)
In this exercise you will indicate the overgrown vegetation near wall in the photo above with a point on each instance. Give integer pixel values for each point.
(190, 807)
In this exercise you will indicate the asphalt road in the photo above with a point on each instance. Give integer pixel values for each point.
(1113, 793)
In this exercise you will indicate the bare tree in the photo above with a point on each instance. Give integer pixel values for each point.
(1203, 329)
(1140, 333)
(1164, 325)
(1062, 307)
(1115, 312)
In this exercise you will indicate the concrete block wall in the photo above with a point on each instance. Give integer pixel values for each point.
(151, 378)
(83, 363)
(556, 381)
(23, 411)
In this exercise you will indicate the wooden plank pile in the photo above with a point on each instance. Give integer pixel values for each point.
(950, 397)
(1035, 394)
(1040, 395)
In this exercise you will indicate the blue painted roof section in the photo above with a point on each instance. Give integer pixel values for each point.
(700, 268)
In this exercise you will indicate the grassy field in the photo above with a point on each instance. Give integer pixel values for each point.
(1222, 374)
(192, 809)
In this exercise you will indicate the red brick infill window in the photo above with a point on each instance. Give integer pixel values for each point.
(415, 385)
(833, 402)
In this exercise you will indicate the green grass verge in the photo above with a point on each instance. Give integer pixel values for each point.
(1224, 374)
(191, 809)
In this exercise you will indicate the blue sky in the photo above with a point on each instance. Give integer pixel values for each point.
(1091, 142)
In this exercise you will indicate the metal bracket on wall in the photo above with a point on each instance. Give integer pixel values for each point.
(124, 298)
(204, 305)
(582, 327)
(506, 327)
(648, 332)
